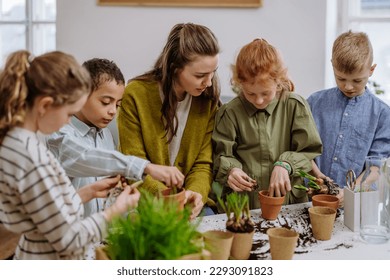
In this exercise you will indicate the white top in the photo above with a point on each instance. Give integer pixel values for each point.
(182, 111)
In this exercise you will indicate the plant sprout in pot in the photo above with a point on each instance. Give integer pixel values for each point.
(239, 222)
(156, 232)
(236, 208)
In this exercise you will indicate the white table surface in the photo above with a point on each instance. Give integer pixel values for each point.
(344, 243)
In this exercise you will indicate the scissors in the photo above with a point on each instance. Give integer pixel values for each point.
(351, 179)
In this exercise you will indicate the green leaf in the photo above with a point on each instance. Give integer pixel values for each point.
(313, 185)
(306, 175)
(300, 187)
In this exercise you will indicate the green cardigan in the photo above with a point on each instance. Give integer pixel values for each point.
(142, 134)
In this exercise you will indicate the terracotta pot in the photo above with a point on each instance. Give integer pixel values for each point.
(242, 245)
(282, 242)
(219, 243)
(270, 206)
(180, 196)
(322, 221)
(326, 200)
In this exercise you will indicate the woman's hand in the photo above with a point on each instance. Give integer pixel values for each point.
(195, 199)
(239, 181)
(98, 189)
(280, 182)
(169, 175)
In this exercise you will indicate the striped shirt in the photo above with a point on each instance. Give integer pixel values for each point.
(87, 153)
(38, 200)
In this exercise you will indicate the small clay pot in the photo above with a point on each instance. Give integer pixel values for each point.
(219, 243)
(241, 245)
(180, 196)
(322, 221)
(282, 242)
(326, 200)
(270, 205)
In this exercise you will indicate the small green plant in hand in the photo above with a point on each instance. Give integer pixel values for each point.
(313, 182)
(236, 208)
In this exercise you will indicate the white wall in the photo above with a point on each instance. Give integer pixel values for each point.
(134, 36)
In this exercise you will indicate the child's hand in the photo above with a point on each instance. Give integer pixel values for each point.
(102, 187)
(170, 175)
(127, 200)
(279, 183)
(239, 181)
(98, 189)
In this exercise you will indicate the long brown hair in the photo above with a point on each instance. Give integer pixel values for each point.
(259, 58)
(53, 74)
(185, 42)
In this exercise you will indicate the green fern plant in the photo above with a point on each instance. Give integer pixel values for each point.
(156, 232)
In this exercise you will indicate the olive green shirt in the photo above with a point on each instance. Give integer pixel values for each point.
(253, 140)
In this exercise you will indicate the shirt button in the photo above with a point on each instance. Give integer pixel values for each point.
(335, 158)
(346, 114)
(341, 136)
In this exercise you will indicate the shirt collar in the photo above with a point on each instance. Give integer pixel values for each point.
(84, 129)
(251, 109)
(355, 99)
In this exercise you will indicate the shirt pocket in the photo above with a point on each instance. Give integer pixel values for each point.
(358, 145)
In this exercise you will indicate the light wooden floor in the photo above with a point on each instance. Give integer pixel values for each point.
(8, 243)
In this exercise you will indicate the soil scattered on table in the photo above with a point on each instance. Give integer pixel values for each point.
(298, 221)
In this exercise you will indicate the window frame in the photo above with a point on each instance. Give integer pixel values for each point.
(348, 17)
(29, 23)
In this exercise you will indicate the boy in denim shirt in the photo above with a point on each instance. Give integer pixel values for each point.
(353, 123)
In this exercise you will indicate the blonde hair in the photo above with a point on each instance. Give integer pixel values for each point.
(260, 60)
(352, 51)
(53, 74)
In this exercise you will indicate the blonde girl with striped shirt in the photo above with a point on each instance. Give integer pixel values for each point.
(37, 199)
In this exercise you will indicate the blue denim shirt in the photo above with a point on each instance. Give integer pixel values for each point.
(350, 130)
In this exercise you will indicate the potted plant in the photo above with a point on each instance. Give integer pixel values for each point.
(240, 223)
(154, 232)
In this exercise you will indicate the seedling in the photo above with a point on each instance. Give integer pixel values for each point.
(237, 210)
